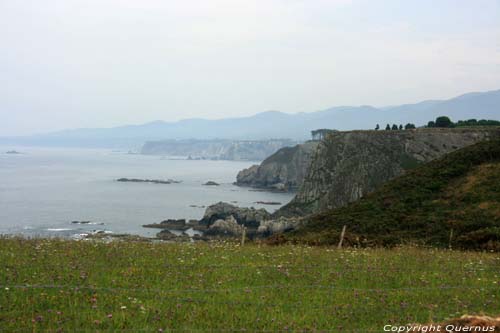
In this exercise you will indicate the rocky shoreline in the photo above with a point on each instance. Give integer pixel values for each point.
(225, 221)
(221, 221)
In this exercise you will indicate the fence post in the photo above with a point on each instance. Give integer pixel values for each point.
(341, 237)
(451, 237)
(243, 235)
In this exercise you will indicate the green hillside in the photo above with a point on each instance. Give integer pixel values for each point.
(457, 195)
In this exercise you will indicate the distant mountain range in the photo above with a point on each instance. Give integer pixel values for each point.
(273, 124)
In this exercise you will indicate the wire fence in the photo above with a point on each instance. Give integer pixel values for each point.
(246, 288)
(330, 267)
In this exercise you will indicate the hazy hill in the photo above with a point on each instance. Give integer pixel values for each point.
(274, 124)
(458, 192)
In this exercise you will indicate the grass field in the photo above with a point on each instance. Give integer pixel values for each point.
(67, 286)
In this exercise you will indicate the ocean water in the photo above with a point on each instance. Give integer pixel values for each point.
(42, 190)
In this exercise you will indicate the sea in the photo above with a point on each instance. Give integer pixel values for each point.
(60, 192)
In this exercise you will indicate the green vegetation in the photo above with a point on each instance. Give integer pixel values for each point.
(445, 122)
(410, 126)
(454, 197)
(283, 155)
(475, 122)
(395, 127)
(89, 286)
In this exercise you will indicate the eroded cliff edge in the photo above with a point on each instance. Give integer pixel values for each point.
(348, 165)
(283, 171)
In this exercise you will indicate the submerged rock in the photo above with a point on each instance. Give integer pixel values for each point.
(211, 183)
(154, 181)
(87, 222)
(268, 203)
(170, 236)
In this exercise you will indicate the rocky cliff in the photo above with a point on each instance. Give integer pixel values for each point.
(348, 165)
(235, 150)
(451, 201)
(284, 170)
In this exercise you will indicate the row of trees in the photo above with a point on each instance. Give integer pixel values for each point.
(395, 127)
(446, 122)
(443, 122)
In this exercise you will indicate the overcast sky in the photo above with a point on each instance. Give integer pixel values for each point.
(102, 63)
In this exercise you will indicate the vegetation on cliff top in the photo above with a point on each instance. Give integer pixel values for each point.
(451, 201)
(49, 285)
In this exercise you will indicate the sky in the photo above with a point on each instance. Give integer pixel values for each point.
(103, 63)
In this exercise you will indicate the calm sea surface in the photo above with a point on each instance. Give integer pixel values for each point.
(43, 190)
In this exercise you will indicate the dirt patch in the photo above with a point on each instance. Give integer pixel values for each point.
(480, 173)
(465, 323)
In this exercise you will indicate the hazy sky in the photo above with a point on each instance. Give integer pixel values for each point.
(100, 63)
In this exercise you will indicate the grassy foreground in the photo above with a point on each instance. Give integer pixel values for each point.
(67, 286)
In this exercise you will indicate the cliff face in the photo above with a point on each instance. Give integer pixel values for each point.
(284, 170)
(348, 165)
(449, 202)
(236, 150)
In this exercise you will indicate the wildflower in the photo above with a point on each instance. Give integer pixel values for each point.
(110, 315)
(123, 307)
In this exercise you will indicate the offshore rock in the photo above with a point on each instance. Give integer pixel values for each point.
(169, 224)
(227, 228)
(248, 217)
(170, 236)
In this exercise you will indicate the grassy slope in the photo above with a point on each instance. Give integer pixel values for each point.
(70, 286)
(461, 191)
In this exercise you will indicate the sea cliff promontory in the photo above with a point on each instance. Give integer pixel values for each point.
(284, 170)
(348, 165)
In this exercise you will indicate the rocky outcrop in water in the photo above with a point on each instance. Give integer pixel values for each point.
(348, 165)
(248, 217)
(172, 224)
(211, 183)
(283, 171)
(170, 236)
(223, 220)
(226, 228)
(154, 181)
